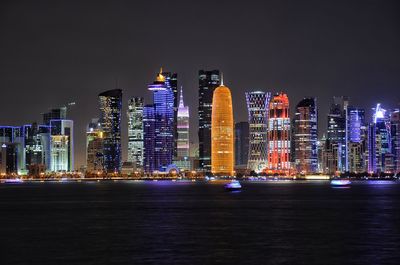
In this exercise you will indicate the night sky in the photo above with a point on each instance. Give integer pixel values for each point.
(55, 52)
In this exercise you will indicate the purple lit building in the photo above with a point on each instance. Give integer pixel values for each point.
(158, 121)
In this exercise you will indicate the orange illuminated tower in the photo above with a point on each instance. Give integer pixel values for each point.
(279, 135)
(222, 132)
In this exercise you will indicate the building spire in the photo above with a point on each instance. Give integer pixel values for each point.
(222, 78)
(160, 76)
(181, 105)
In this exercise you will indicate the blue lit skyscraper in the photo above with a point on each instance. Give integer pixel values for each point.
(336, 134)
(158, 121)
(110, 119)
(379, 142)
(356, 139)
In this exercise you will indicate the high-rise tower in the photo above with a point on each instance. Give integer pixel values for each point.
(279, 135)
(222, 132)
(110, 118)
(182, 159)
(257, 107)
(208, 81)
(305, 136)
(158, 122)
(135, 132)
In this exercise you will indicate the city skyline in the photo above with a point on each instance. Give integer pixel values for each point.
(51, 70)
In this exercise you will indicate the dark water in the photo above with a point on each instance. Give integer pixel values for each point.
(199, 223)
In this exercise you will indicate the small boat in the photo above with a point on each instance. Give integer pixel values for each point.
(17, 180)
(233, 185)
(340, 182)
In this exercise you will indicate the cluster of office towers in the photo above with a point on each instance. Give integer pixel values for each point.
(158, 135)
(36, 148)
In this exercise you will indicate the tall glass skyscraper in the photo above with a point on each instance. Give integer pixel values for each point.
(258, 108)
(306, 136)
(356, 140)
(337, 132)
(159, 124)
(279, 135)
(379, 148)
(110, 118)
(135, 132)
(208, 81)
(171, 81)
(222, 132)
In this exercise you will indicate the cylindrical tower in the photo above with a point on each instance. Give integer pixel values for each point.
(222, 132)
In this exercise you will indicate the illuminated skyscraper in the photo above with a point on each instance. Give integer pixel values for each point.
(306, 136)
(208, 81)
(110, 119)
(61, 145)
(135, 132)
(258, 108)
(222, 132)
(356, 140)
(94, 147)
(395, 133)
(182, 160)
(337, 131)
(241, 144)
(12, 150)
(158, 121)
(380, 157)
(171, 81)
(279, 135)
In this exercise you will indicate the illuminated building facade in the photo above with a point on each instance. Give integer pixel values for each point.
(110, 119)
(208, 81)
(94, 147)
(241, 144)
(305, 136)
(182, 160)
(279, 135)
(356, 139)
(12, 150)
(336, 133)
(61, 145)
(158, 122)
(135, 132)
(395, 133)
(258, 108)
(380, 156)
(222, 132)
(171, 81)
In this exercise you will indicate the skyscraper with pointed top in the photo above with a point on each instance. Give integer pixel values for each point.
(222, 132)
(182, 159)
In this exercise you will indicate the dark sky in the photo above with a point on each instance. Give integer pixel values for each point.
(54, 52)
